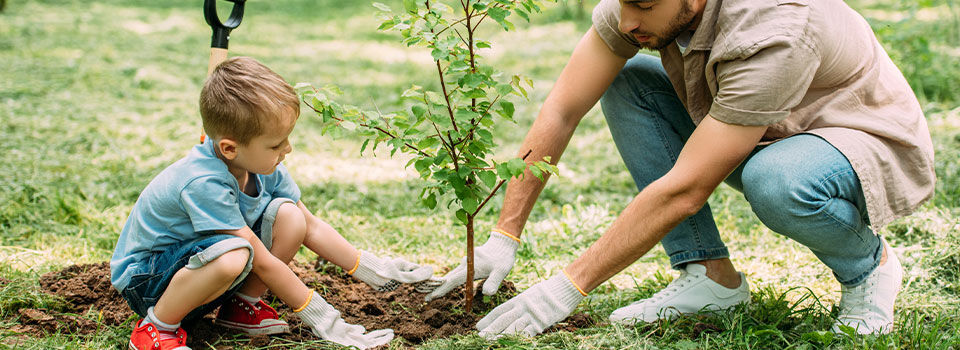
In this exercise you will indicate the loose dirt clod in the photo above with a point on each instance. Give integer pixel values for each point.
(87, 290)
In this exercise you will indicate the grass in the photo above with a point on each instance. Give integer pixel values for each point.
(97, 97)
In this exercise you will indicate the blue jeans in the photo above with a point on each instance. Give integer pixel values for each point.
(801, 187)
(148, 284)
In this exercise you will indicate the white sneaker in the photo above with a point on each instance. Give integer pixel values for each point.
(690, 293)
(868, 307)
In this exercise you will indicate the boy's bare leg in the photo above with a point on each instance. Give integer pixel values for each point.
(189, 289)
(289, 229)
(323, 239)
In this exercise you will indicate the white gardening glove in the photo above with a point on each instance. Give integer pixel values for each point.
(534, 310)
(493, 261)
(386, 274)
(326, 323)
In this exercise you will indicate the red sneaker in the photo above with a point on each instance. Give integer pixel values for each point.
(147, 337)
(257, 319)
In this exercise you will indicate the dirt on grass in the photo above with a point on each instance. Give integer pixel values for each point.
(91, 302)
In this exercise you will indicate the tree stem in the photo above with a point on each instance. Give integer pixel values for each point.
(469, 284)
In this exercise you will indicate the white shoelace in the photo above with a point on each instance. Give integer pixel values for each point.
(673, 287)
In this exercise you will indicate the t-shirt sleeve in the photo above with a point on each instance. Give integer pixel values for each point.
(761, 88)
(606, 21)
(211, 205)
(283, 184)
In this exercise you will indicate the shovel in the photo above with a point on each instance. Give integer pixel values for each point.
(221, 30)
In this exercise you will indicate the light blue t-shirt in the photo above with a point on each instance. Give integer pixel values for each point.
(191, 198)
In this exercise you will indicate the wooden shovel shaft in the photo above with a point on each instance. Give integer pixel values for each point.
(217, 55)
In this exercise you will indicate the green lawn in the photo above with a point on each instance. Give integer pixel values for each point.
(97, 97)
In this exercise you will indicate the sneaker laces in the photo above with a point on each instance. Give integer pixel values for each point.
(858, 297)
(670, 289)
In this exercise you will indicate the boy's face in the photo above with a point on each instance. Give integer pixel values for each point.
(263, 153)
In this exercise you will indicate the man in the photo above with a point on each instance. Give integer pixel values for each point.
(792, 102)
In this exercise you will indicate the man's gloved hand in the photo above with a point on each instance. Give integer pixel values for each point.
(493, 261)
(386, 274)
(326, 323)
(534, 310)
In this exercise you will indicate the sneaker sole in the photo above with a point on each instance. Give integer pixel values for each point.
(130, 346)
(255, 330)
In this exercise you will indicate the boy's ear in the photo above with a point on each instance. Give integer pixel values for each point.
(227, 148)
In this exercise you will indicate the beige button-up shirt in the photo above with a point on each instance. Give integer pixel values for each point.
(802, 66)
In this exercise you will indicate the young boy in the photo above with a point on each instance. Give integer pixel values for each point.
(230, 208)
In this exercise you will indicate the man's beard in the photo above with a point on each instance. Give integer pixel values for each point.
(682, 22)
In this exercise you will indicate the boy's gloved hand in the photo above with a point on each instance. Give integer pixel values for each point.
(493, 261)
(386, 274)
(534, 310)
(326, 323)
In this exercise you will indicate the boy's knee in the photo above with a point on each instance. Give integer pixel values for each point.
(232, 263)
(290, 222)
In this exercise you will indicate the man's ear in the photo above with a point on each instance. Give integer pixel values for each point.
(227, 148)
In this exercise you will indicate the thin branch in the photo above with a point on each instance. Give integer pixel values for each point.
(464, 41)
(385, 132)
(443, 85)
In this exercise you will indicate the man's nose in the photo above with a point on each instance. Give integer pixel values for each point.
(628, 21)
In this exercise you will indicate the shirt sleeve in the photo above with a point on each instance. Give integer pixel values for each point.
(606, 21)
(211, 205)
(283, 184)
(761, 88)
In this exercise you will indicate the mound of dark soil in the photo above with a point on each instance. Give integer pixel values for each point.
(87, 291)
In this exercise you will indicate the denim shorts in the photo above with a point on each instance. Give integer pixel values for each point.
(154, 275)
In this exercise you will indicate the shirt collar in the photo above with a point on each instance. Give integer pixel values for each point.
(706, 32)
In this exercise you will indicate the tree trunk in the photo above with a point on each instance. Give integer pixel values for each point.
(469, 283)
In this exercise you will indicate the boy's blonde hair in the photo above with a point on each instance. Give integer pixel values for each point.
(241, 97)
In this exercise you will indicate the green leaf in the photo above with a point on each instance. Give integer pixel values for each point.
(485, 135)
(430, 201)
(386, 25)
(418, 110)
(364, 146)
(517, 166)
(503, 171)
(489, 178)
(463, 114)
(470, 204)
(470, 81)
(537, 172)
(483, 45)
(462, 215)
(498, 14)
(428, 143)
(507, 108)
(475, 93)
(423, 166)
(458, 66)
(523, 15)
(438, 54)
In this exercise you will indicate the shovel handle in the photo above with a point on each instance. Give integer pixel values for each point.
(221, 30)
